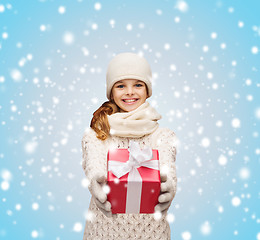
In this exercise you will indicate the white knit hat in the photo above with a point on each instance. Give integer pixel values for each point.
(128, 66)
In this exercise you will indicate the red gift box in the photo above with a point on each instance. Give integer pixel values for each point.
(128, 194)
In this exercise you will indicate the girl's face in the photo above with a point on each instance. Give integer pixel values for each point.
(129, 94)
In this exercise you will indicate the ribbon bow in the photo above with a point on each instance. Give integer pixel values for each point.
(137, 158)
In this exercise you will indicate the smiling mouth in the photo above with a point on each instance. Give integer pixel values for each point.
(130, 100)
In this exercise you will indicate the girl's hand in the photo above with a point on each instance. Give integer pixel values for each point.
(166, 196)
(99, 195)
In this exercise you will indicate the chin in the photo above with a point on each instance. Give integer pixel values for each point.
(129, 109)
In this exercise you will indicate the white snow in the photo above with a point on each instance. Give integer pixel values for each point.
(167, 46)
(205, 48)
(2, 79)
(18, 207)
(16, 75)
(219, 123)
(258, 236)
(68, 38)
(77, 227)
(4, 35)
(43, 28)
(94, 100)
(237, 140)
(5, 185)
(157, 215)
(22, 62)
(222, 160)
(244, 173)
(97, 6)
(40, 109)
(213, 35)
(186, 235)
(209, 75)
(2, 8)
(248, 82)
(89, 215)
(35, 234)
(182, 6)
(35, 206)
(257, 113)
(159, 12)
(170, 218)
(205, 142)
(85, 183)
(112, 23)
(240, 24)
(215, 86)
(69, 198)
(164, 169)
(223, 45)
(236, 201)
(85, 51)
(13, 108)
(200, 130)
(106, 189)
(55, 100)
(220, 209)
(30, 147)
(236, 123)
(205, 228)
(62, 9)
(254, 50)
(19, 45)
(129, 27)
(192, 172)
(173, 67)
(6, 175)
(177, 19)
(249, 98)
(64, 141)
(231, 9)
(94, 26)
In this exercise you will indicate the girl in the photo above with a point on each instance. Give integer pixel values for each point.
(127, 116)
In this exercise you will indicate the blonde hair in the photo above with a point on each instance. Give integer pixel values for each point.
(99, 122)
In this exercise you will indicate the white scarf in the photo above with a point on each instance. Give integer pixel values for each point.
(136, 123)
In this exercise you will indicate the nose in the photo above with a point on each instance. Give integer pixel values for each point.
(130, 90)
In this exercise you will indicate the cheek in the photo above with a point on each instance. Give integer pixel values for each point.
(143, 93)
(115, 95)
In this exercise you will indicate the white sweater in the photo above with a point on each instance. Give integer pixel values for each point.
(126, 226)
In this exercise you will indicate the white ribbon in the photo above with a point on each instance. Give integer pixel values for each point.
(137, 158)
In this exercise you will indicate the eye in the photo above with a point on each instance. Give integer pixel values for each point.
(139, 85)
(120, 86)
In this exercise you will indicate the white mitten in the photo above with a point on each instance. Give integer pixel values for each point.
(167, 194)
(99, 195)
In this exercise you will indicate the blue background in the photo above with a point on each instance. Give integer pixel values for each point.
(49, 90)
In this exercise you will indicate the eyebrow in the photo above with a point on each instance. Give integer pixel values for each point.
(136, 80)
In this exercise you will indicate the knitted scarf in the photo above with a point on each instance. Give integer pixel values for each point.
(136, 123)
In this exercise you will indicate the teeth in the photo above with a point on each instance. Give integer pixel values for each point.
(130, 100)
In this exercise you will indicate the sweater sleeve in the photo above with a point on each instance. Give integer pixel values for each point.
(94, 155)
(166, 143)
